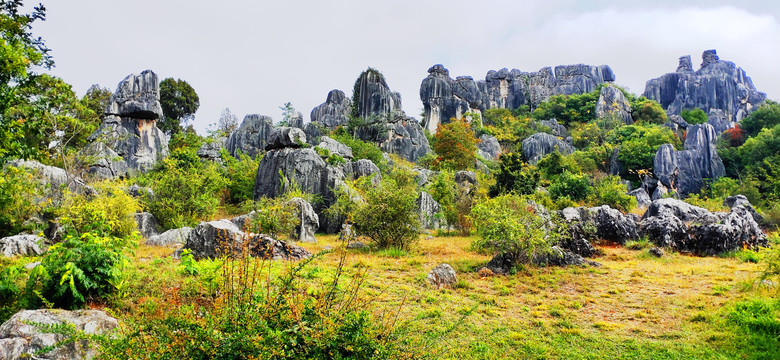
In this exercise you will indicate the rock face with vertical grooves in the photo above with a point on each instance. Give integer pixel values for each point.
(128, 140)
(538, 145)
(444, 98)
(613, 103)
(21, 338)
(385, 123)
(718, 84)
(685, 170)
(252, 136)
(334, 112)
(488, 147)
(309, 221)
(427, 207)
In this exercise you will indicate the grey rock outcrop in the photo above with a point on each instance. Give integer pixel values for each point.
(314, 132)
(129, 140)
(685, 171)
(137, 191)
(334, 112)
(251, 136)
(610, 224)
(215, 238)
(386, 124)
(717, 84)
(335, 147)
(442, 276)
(211, 149)
(613, 103)
(54, 179)
(562, 257)
(309, 221)
(21, 336)
(719, 121)
(361, 168)
(488, 147)
(538, 145)
(444, 98)
(735, 200)
(22, 245)
(427, 207)
(285, 137)
(556, 128)
(170, 237)
(674, 223)
(147, 224)
(642, 197)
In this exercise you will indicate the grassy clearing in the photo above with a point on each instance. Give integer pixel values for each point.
(634, 306)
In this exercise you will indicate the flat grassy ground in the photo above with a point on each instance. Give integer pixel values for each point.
(633, 306)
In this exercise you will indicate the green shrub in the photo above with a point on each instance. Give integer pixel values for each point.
(611, 191)
(444, 190)
(109, 212)
(639, 143)
(648, 111)
(273, 217)
(82, 267)
(185, 195)
(515, 175)
(19, 193)
(240, 175)
(555, 164)
(574, 187)
(568, 109)
(361, 149)
(456, 145)
(766, 117)
(694, 116)
(509, 224)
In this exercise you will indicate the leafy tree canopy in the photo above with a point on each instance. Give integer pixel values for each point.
(179, 103)
(455, 144)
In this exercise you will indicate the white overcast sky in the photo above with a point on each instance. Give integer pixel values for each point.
(253, 56)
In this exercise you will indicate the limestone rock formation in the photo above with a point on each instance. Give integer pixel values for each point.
(170, 237)
(556, 128)
(309, 221)
(251, 136)
(22, 245)
(642, 197)
(686, 170)
(285, 137)
(20, 338)
(488, 147)
(613, 103)
(385, 122)
(128, 140)
(442, 275)
(210, 150)
(718, 84)
(214, 238)
(427, 207)
(444, 98)
(334, 112)
(538, 145)
(361, 168)
(147, 224)
(335, 147)
(54, 179)
(735, 200)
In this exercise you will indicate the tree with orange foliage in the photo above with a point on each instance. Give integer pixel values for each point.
(455, 145)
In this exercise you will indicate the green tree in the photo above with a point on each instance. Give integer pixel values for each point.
(179, 103)
(568, 109)
(694, 116)
(766, 117)
(288, 113)
(648, 111)
(515, 175)
(20, 54)
(456, 145)
(639, 143)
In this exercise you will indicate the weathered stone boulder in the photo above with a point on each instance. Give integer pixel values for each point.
(334, 112)
(54, 179)
(610, 224)
(556, 128)
(128, 140)
(538, 145)
(719, 121)
(335, 147)
(613, 103)
(427, 207)
(309, 221)
(642, 197)
(285, 137)
(362, 168)
(442, 276)
(147, 224)
(685, 171)
(211, 149)
(137, 191)
(251, 136)
(717, 84)
(488, 147)
(732, 231)
(22, 245)
(215, 238)
(561, 257)
(444, 98)
(580, 233)
(735, 200)
(26, 332)
(170, 237)
(675, 208)
(665, 231)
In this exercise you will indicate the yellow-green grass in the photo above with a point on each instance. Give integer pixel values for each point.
(633, 306)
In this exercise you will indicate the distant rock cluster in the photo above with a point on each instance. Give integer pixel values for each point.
(444, 98)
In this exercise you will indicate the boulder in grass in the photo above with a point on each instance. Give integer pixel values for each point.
(222, 237)
(442, 276)
(21, 245)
